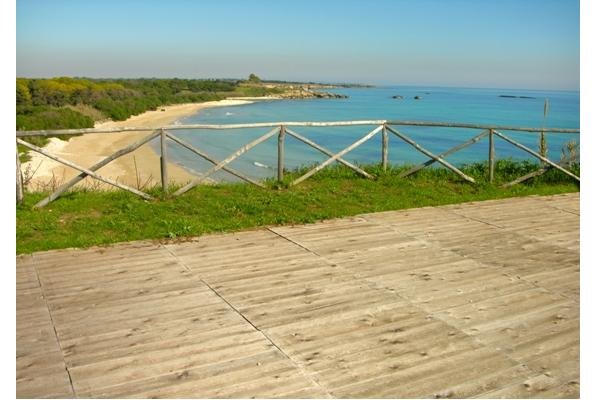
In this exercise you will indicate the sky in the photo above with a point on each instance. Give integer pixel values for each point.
(530, 44)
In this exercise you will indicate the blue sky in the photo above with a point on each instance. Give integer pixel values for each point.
(476, 43)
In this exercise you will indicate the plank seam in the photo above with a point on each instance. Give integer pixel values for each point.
(474, 219)
(490, 346)
(62, 353)
(377, 287)
(523, 236)
(297, 244)
(485, 263)
(431, 315)
(300, 369)
(563, 210)
(197, 278)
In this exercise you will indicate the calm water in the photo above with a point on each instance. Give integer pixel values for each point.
(436, 104)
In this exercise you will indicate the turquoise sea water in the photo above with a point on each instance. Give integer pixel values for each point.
(436, 104)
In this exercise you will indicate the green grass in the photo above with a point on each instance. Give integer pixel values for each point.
(87, 218)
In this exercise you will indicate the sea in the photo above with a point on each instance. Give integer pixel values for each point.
(503, 107)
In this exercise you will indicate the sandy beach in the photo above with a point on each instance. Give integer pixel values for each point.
(88, 149)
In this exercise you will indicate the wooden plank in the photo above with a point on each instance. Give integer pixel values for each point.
(107, 340)
(132, 369)
(328, 153)
(125, 150)
(333, 238)
(40, 366)
(456, 301)
(130, 342)
(226, 161)
(49, 384)
(485, 381)
(567, 202)
(537, 386)
(426, 372)
(223, 379)
(337, 156)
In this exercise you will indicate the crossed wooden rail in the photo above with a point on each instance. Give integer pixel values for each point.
(282, 129)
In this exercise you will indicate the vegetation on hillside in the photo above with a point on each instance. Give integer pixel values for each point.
(60, 103)
(52, 103)
(72, 103)
(253, 78)
(87, 218)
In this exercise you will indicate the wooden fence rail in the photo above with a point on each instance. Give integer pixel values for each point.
(282, 130)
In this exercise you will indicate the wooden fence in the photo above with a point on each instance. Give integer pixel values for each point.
(281, 130)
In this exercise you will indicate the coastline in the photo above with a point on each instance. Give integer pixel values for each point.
(140, 168)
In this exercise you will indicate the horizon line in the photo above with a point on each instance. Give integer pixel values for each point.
(363, 83)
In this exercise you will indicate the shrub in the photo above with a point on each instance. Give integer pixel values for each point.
(44, 117)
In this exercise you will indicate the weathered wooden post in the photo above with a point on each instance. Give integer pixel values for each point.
(19, 180)
(280, 153)
(492, 155)
(384, 148)
(163, 161)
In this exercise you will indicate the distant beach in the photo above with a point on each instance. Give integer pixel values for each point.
(139, 167)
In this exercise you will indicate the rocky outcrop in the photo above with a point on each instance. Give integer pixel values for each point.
(309, 94)
(509, 96)
(327, 95)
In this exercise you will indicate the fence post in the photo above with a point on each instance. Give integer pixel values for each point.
(280, 153)
(19, 180)
(384, 148)
(492, 156)
(163, 161)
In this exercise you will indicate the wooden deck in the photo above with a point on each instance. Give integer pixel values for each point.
(472, 300)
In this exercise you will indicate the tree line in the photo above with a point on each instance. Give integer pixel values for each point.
(62, 103)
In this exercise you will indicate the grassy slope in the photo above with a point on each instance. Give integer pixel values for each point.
(83, 219)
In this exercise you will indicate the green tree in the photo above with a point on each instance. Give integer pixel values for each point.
(23, 94)
(253, 78)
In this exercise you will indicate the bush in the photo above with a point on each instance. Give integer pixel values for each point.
(44, 117)
(23, 94)
(118, 99)
(253, 78)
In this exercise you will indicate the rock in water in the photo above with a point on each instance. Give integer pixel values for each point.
(510, 96)
(310, 94)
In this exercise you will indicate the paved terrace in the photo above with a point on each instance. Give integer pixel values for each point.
(469, 300)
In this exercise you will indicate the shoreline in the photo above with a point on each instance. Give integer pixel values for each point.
(139, 169)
